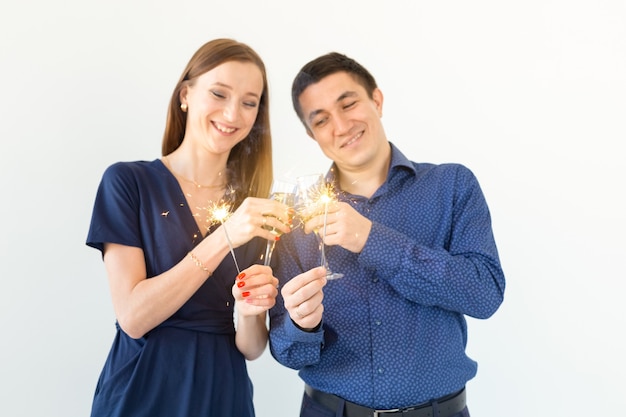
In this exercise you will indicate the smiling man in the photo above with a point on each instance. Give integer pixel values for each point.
(415, 245)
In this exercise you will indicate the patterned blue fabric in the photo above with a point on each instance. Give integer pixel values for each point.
(393, 331)
(188, 365)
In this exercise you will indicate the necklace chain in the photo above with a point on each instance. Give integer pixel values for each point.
(191, 181)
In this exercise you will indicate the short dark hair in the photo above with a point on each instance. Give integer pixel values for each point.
(326, 65)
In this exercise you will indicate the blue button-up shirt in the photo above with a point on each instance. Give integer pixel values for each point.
(393, 332)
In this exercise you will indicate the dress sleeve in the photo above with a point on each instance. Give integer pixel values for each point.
(115, 217)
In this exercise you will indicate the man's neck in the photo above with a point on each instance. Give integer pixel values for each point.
(364, 182)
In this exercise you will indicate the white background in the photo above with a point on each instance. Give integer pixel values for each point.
(529, 94)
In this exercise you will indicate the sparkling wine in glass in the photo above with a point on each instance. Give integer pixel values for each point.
(284, 192)
(312, 199)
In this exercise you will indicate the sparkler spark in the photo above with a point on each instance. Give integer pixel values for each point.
(326, 196)
(220, 213)
(316, 200)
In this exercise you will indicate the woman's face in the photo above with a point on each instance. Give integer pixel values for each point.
(222, 105)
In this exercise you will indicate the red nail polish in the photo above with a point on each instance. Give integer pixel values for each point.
(245, 294)
(241, 275)
(277, 238)
(241, 284)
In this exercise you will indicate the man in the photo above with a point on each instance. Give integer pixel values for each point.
(415, 245)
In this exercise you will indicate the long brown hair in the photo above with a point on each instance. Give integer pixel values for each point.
(250, 161)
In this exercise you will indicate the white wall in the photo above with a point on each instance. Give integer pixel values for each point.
(530, 95)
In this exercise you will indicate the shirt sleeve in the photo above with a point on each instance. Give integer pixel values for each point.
(290, 345)
(463, 276)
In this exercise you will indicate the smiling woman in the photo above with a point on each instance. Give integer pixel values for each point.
(222, 106)
(172, 286)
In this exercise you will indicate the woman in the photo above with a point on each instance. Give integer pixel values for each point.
(173, 279)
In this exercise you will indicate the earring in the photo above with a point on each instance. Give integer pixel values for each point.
(183, 107)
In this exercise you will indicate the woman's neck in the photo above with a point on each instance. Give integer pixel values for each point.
(200, 170)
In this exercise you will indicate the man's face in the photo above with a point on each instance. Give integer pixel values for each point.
(344, 121)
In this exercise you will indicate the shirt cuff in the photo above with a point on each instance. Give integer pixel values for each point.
(295, 333)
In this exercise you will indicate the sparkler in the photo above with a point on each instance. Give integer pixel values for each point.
(220, 212)
(314, 197)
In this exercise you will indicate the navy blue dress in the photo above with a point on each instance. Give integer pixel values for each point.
(189, 365)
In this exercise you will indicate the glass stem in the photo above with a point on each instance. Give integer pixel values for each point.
(323, 236)
(269, 249)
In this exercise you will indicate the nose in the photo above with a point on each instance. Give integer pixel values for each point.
(342, 124)
(231, 111)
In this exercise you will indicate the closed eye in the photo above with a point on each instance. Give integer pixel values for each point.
(349, 105)
(319, 122)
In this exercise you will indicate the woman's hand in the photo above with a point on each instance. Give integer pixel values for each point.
(257, 217)
(255, 290)
(255, 293)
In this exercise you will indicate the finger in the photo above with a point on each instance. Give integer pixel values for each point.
(254, 270)
(310, 305)
(309, 298)
(275, 227)
(260, 286)
(262, 298)
(259, 295)
(306, 317)
(279, 216)
(314, 224)
(316, 275)
(298, 313)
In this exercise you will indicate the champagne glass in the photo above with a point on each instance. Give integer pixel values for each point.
(284, 192)
(312, 198)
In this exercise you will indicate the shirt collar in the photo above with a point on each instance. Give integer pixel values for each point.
(398, 161)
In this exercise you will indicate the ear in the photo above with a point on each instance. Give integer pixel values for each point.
(307, 129)
(377, 98)
(182, 96)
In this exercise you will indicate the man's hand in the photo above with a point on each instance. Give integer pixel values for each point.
(303, 297)
(345, 227)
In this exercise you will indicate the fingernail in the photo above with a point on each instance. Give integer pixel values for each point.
(245, 294)
(277, 238)
(241, 275)
(241, 284)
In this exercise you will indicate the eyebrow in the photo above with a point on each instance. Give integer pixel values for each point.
(341, 97)
(230, 88)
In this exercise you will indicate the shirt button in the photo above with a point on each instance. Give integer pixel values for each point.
(378, 322)
(375, 279)
(380, 370)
